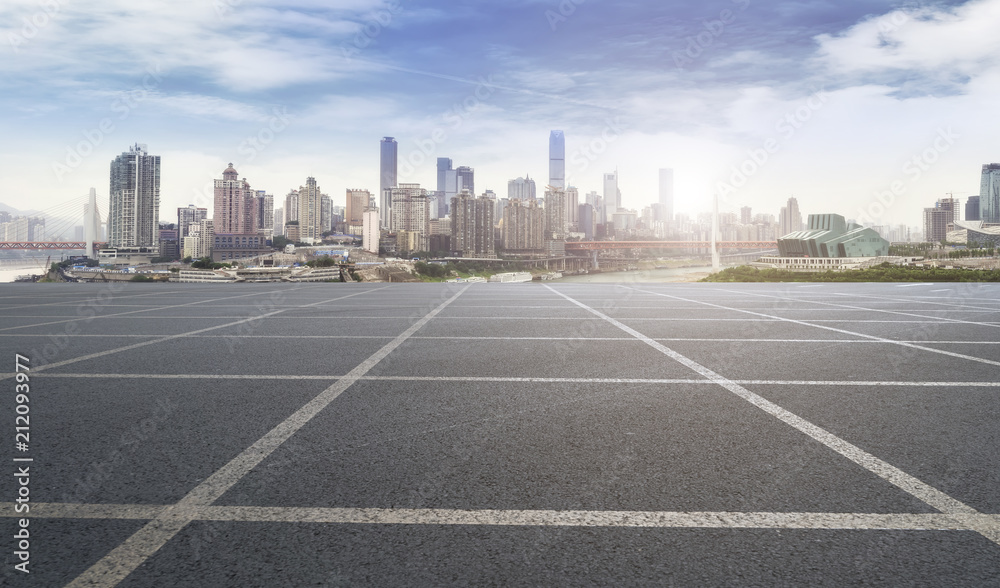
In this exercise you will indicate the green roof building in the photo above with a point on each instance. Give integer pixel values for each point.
(830, 235)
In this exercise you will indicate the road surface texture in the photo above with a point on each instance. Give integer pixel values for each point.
(503, 434)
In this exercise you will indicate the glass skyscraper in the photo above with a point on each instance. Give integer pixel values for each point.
(387, 178)
(557, 159)
(989, 194)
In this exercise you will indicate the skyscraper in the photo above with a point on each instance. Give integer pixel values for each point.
(235, 211)
(523, 226)
(972, 208)
(572, 209)
(612, 198)
(326, 214)
(790, 219)
(411, 213)
(265, 213)
(557, 159)
(521, 188)
(746, 215)
(133, 220)
(387, 178)
(989, 194)
(292, 206)
(446, 186)
(310, 212)
(466, 179)
(357, 203)
(472, 225)
(187, 216)
(666, 195)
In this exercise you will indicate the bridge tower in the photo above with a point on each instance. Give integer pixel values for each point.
(91, 223)
(716, 262)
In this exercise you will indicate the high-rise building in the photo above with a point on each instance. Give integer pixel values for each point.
(666, 195)
(557, 159)
(555, 223)
(265, 213)
(466, 179)
(446, 186)
(790, 219)
(310, 212)
(572, 209)
(746, 215)
(357, 202)
(989, 194)
(235, 211)
(133, 220)
(953, 206)
(370, 230)
(972, 208)
(587, 226)
(612, 197)
(187, 216)
(387, 178)
(411, 213)
(521, 189)
(326, 214)
(472, 225)
(523, 226)
(279, 222)
(292, 206)
(936, 222)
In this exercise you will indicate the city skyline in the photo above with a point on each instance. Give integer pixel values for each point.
(753, 101)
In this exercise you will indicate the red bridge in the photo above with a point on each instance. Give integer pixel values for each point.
(602, 245)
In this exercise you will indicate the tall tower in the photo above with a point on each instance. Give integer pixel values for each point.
(133, 219)
(310, 211)
(666, 194)
(466, 179)
(557, 159)
(612, 197)
(233, 205)
(387, 177)
(989, 194)
(446, 177)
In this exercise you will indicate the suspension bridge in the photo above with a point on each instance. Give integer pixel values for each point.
(59, 225)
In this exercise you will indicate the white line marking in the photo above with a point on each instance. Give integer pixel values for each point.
(49, 366)
(538, 518)
(884, 470)
(533, 380)
(121, 561)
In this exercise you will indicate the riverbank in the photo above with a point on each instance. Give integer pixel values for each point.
(882, 273)
(675, 275)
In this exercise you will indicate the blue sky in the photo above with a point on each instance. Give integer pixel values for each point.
(864, 108)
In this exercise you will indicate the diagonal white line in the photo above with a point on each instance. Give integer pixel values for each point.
(121, 561)
(884, 470)
(49, 366)
(836, 330)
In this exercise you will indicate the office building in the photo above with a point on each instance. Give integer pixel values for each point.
(989, 194)
(388, 152)
(790, 219)
(612, 196)
(666, 208)
(134, 212)
(447, 187)
(465, 179)
(972, 208)
(557, 160)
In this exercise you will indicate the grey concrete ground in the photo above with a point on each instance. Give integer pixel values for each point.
(504, 434)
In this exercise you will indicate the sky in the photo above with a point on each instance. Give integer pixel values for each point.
(869, 109)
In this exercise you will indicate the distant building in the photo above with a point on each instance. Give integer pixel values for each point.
(235, 210)
(972, 209)
(936, 221)
(523, 227)
(447, 187)
(572, 209)
(521, 189)
(388, 153)
(587, 223)
(229, 247)
(357, 202)
(411, 213)
(828, 236)
(472, 225)
(310, 212)
(187, 216)
(556, 225)
(557, 159)
(134, 192)
(370, 230)
(989, 194)
(790, 219)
